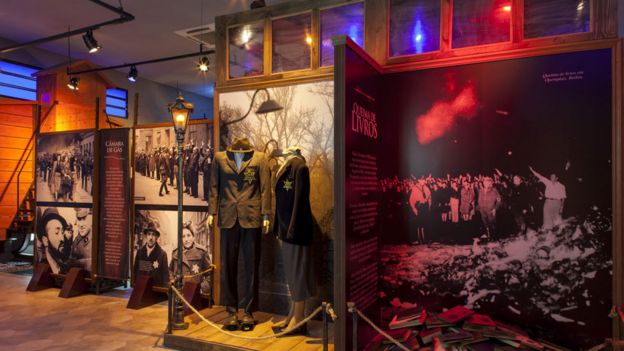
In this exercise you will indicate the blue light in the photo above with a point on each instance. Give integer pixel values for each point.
(210, 90)
(16, 81)
(419, 37)
(353, 34)
(117, 102)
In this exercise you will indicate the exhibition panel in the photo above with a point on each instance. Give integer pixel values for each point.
(497, 197)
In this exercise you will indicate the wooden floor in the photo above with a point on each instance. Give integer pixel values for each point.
(201, 336)
(42, 321)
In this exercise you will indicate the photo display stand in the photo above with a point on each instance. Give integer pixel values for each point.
(486, 185)
(65, 186)
(358, 140)
(115, 206)
(155, 205)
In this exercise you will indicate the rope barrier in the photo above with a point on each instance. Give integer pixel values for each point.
(216, 326)
(331, 312)
(210, 269)
(353, 309)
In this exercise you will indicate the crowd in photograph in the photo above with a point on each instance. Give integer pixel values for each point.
(161, 164)
(65, 170)
(495, 205)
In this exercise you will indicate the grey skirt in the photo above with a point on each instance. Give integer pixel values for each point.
(299, 270)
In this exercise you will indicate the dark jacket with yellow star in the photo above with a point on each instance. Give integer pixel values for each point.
(293, 222)
(242, 194)
(194, 260)
(154, 264)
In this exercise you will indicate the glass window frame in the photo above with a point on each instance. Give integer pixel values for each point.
(516, 31)
(424, 54)
(18, 87)
(591, 19)
(498, 43)
(314, 31)
(318, 35)
(106, 105)
(264, 50)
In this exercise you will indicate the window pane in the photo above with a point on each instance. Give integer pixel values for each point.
(16, 81)
(343, 20)
(291, 43)
(479, 22)
(117, 102)
(246, 50)
(414, 27)
(544, 18)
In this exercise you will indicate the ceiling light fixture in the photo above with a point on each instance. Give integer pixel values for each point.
(73, 83)
(203, 64)
(133, 74)
(90, 42)
(256, 4)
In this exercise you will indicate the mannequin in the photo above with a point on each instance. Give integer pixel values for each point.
(293, 226)
(240, 195)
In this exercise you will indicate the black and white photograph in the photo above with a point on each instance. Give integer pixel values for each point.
(156, 165)
(155, 249)
(65, 167)
(64, 238)
(306, 122)
(498, 193)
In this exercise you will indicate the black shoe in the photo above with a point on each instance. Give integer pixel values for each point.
(278, 328)
(247, 323)
(231, 323)
(160, 194)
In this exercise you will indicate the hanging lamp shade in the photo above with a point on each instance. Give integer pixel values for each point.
(269, 106)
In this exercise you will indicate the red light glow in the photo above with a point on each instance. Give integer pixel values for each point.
(439, 119)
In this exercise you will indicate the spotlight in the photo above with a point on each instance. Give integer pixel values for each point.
(203, 64)
(90, 42)
(308, 39)
(256, 4)
(132, 75)
(73, 83)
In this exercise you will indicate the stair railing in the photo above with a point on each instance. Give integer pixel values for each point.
(27, 152)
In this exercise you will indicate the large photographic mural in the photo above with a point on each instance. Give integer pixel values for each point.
(497, 193)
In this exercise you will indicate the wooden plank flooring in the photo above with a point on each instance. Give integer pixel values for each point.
(42, 321)
(202, 336)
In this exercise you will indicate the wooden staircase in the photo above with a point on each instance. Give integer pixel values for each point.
(17, 174)
(23, 225)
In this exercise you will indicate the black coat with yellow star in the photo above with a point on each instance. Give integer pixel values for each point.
(154, 264)
(293, 222)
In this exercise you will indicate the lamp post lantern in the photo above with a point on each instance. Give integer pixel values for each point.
(180, 112)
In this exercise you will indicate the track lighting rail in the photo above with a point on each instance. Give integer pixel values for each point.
(162, 59)
(123, 17)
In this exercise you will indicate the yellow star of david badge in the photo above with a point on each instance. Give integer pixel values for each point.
(250, 175)
(155, 264)
(288, 184)
(195, 269)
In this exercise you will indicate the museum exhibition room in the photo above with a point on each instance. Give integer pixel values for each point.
(312, 175)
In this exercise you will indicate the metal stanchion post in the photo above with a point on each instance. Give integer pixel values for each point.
(169, 309)
(325, 328)
(351, 307)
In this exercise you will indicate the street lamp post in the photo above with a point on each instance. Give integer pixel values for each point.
(180, 112)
